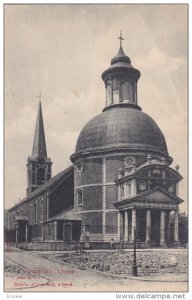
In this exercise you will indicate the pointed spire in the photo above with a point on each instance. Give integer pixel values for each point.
(39, 144)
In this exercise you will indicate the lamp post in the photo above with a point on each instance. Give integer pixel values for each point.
(134, 267)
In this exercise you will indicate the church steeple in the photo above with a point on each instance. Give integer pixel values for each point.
(38, 165)
(39, 144)
(121, 81)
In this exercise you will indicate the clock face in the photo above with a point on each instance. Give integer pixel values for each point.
(41, 161)
(129, 161)
(80, 167)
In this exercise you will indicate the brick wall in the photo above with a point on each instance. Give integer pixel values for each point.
(111, 222)
(95, 221)
(113, 164)
(92, 198)
(92, 172)
(111, 196)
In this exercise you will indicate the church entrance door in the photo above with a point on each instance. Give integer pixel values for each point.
(155, 228)
(67, 232)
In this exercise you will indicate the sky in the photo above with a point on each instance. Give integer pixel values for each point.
(62, 50)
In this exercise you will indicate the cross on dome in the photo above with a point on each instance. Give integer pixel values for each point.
(121, 38)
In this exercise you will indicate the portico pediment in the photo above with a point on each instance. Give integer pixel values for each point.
(160, 196)
(155, 197)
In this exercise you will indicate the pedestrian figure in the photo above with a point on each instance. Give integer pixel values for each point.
(122, 244)
(112, 244)
(138, 243)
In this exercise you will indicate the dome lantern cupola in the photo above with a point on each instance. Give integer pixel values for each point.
(121, 81)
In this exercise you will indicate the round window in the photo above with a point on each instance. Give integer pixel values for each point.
(129, 161)
(80, 167)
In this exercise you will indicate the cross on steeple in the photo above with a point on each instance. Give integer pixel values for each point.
(40, 97)
(120, 38)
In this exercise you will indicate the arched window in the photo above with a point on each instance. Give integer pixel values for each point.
(122, 191)
(41, 202)
(129, 192)
(35, 213)
(49, 229)
(108, 94)
(40, 176)
(115, 96)
(126, 92)
(79, 198)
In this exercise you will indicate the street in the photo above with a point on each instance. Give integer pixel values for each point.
(46, 275)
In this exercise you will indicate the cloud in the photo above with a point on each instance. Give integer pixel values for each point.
(159, 59)
(21, 124)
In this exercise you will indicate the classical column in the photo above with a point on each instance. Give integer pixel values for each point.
(134, 222)
(148, 226)
(55, 230)
(176, 223)
(42, 235)
(16, 233)
(126, 236)
(162, 229)
(167, 229)
(119, 226)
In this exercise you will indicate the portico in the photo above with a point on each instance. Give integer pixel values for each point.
(148, 213)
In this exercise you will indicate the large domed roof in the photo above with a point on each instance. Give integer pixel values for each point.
(121, 128)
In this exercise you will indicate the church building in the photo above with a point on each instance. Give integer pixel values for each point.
(120, 183)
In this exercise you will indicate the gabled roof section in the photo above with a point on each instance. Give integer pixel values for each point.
(160, 194)
(67, 215)
(39, 144)
(51, 183)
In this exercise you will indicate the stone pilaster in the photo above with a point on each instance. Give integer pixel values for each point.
(104, 196)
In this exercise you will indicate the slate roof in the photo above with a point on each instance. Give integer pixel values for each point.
(68, 215)
(50, 183)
